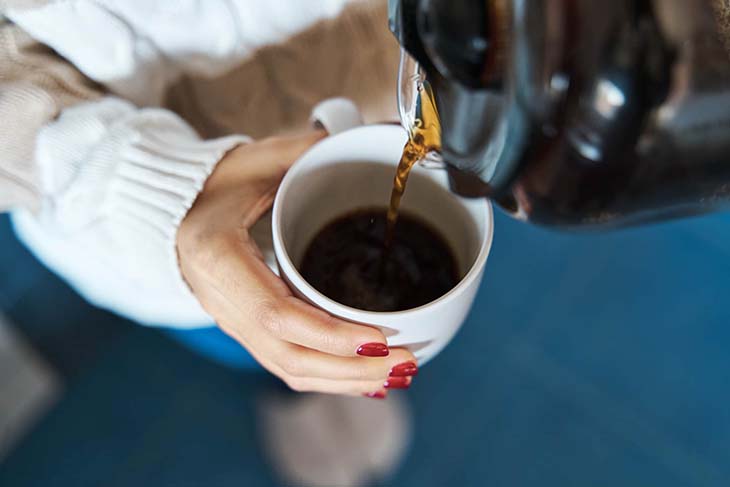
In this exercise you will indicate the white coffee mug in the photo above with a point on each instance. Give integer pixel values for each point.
(354, 169)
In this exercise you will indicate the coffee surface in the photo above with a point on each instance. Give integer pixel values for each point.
(349, 262)
(381, 259)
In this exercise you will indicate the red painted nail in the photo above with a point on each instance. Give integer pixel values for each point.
(373, 350)
(397, 383)
(376, 395)
(405, 369)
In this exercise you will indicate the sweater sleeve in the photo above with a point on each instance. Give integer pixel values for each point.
(138, 48)
(117, 181)
(99, 186)
(35, 86)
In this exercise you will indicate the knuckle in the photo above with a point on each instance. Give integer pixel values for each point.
(292, 366)
(329, 338)
(344, 338)
(403, 355)
(370, 334)
(270, 318)
(377, 335)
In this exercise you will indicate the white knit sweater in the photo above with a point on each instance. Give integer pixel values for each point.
(116, 175)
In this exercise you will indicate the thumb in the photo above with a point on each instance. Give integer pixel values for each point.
(259, 165)
(270, 160)
(275, 155)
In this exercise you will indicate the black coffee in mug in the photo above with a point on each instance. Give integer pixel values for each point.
(349, 262)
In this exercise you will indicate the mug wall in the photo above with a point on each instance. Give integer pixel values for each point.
(337, 189)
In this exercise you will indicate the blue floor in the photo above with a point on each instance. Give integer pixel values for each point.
(593, 359)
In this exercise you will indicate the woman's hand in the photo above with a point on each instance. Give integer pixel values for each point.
(307, 348)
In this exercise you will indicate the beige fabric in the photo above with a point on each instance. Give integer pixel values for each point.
(353, 55)
(35, 85)
(324, 440)
(24, 4)
(722, 14)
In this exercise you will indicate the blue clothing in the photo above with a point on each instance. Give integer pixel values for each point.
(216, 346)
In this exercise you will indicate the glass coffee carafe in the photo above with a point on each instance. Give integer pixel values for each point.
(576, 112)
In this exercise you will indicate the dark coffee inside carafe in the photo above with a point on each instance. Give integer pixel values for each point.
(348, 262)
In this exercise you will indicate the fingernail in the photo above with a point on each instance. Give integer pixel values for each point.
(373, 350)
(397, 383)
(376, 395)
(405, 369)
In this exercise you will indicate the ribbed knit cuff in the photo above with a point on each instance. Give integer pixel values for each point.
(159, 176)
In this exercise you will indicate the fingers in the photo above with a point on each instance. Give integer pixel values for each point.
(258, 166)
(297, 322)
(290, 148)
(270, 158)
(277, 335)
(307, 369)
(229, 266)
(299, 362)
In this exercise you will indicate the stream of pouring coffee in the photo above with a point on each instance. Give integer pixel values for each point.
(424, 137)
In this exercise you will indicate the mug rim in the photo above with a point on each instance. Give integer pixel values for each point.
(288, 269)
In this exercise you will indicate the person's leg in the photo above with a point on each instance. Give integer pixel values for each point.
(321, 439)
(346, 453)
